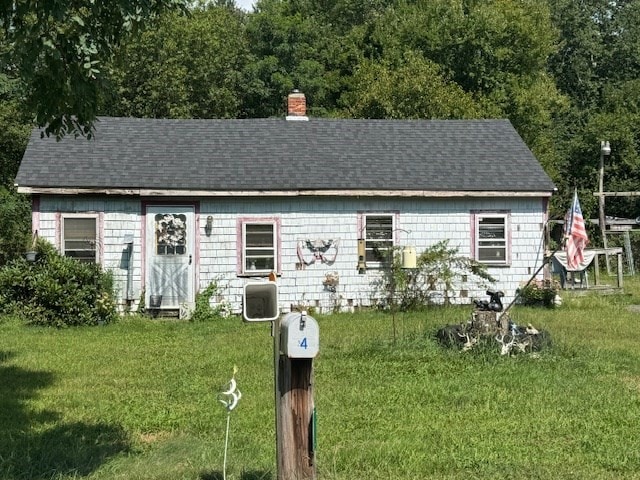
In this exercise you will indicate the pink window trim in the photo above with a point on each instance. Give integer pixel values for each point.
(474, 239)
(99, 216)
(240, 221)
(35, 214)
(361, 224)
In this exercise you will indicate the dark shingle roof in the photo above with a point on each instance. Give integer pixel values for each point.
(275, 154)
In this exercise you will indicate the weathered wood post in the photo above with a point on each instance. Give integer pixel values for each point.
(296, 342)
(295, 409)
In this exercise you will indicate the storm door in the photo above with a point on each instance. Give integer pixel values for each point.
(170, 256)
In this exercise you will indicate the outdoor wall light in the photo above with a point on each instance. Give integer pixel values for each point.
(209, 226)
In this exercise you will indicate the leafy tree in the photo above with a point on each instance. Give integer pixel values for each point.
(14, 133)
(182, 67)
(15, 223)
(414, 89)
(597, 66)
(59, 49)
(296, 47)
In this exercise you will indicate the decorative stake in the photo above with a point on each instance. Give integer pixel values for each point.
(229, 398)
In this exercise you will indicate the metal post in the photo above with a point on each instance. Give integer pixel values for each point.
(605, 150)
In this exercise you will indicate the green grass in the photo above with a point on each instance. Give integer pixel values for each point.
(138, 399)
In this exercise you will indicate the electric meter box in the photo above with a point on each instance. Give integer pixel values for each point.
(260, 302)
(299, 335)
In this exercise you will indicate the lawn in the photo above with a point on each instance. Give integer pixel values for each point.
(139, 399)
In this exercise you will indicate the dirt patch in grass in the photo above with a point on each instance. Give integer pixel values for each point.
(149, 438)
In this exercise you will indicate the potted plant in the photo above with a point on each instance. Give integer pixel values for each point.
(31, 252)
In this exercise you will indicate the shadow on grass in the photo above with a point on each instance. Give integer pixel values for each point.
(30, 449)
(246, 475)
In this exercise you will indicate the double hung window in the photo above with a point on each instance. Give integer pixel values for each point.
(259, 246)
(492, 238)
(79, 237)
(379, 237)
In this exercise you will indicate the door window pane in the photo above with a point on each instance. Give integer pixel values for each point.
(171, 234)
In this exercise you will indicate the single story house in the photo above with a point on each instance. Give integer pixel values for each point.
(172, 205)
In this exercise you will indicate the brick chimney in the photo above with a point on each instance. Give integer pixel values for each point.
(296, 106)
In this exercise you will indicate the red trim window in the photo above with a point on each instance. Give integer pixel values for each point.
(379, 233)
(79, 237)
(259, 241)
(492, 237)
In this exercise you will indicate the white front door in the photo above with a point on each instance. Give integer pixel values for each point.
(170, 256)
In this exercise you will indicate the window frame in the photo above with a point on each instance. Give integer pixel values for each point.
(477, 247)
(242, 224)
(363, 216)
(63, 241)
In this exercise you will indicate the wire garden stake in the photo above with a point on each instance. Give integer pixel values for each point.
(229, 398)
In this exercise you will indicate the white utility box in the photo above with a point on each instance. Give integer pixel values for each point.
(260, 302)
(299, 335)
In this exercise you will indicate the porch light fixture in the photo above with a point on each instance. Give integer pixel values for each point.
(209, 225)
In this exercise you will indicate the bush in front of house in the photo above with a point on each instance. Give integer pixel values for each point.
(56, 291)
(203, 310)
(539, 293)
(439, 271)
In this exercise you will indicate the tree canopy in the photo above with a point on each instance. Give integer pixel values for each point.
(59, 48)
(564, 72)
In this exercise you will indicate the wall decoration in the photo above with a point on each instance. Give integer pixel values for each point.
(171, 233)
(323, 251)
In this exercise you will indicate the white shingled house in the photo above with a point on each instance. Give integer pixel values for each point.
(172, 205)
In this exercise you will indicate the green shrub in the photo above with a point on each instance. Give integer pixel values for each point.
(15, 212)
(203, 310)
(541, 293)
(440, 268)
(56, 290)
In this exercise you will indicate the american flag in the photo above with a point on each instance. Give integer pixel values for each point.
(575, 234)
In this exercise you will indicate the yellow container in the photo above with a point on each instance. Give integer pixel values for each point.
(409, 257)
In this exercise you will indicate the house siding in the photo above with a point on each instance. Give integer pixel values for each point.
(421, 222)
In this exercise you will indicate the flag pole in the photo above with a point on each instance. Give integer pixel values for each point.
(545, 260)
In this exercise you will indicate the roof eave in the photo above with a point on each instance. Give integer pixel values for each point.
(143, 192)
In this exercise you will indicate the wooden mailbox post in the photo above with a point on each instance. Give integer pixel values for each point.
(295, 345)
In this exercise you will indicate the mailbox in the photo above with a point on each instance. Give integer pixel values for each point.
(299, 335)
(260, 302)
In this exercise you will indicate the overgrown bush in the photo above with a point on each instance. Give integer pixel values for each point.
(541, 293)
(56, 290)
(439, 269)
(15, 215)
(203, 310)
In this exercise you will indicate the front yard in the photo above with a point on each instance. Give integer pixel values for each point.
(139, 399)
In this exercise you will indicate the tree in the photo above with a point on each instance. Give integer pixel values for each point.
(597, 66)
(182, 67)
(15, 216)
(414, 89)
(59, 49)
